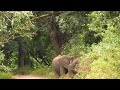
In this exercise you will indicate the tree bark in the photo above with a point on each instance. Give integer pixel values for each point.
(20, 54)
(57, 37)
(54, 34)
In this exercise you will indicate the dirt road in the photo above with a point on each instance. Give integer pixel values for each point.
(28, 77)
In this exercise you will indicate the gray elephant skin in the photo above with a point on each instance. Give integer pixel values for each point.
(63, 64)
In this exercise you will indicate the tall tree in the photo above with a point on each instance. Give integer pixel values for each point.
(14, 25)
(55, 35)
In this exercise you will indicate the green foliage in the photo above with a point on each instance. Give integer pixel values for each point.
(15, 24)
(72, 21)
(100, 60)
(41, 47)
(75, 46)
(13, 61)
(4, 68)
(1, 57)
(34, 63)
(4, 75)
(25, 71)
(94, 37)
(43, 71)
(102, 69)
(107, 51)
(11, 54)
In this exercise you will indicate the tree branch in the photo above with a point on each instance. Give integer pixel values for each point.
(45, 15)
(42, 16)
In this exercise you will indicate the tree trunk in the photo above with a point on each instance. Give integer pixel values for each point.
(7, 53)
(54, 33)
(20, 54)
(57, 37)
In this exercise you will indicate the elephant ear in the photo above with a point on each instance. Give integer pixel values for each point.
(71, 61)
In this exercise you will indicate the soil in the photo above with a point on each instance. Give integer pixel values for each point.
(28, 77)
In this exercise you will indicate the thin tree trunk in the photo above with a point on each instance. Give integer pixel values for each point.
(7, 54)
(20, 54)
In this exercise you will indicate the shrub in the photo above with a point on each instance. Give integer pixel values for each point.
(101, 69)
(4, 68)
(43, 71)
(4, 75)
(75, 46)
(25, 71)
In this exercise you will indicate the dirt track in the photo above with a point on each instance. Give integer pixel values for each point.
(28, 77)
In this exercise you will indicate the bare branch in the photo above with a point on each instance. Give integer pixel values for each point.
(6, 17)
(42, 16)
(45, 15)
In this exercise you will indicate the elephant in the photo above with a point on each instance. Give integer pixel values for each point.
(63, 64)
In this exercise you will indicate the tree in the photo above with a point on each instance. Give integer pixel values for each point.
(14, 25)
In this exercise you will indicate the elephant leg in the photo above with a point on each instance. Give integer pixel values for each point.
(63, 71)
(57, 71)
(70, 71)
(56, 67)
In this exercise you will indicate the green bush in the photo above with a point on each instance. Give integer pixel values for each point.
(4, 68)
(4, 75)
(101, 69)
(1, 57)
(105, 56)
(43, 71)
(25, 71)
(75, 46)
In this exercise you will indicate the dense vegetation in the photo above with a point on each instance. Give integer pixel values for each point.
(29, 40)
